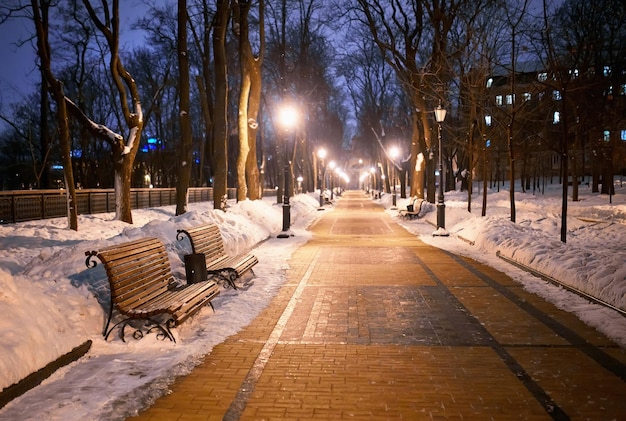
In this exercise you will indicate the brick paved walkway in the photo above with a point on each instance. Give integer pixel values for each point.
(373, 325)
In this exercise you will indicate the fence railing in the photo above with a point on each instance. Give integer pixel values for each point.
(28, 205)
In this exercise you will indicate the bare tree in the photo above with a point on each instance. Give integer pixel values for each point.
(220, 126)
(583, 44)
(248, 184)
(413, 38)
(184, 171)
(372, 87)
(106, 19)
(41, 20)
(479, 34)
(515, 18)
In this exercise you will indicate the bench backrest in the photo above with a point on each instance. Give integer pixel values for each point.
(206, 239)
(137, 270)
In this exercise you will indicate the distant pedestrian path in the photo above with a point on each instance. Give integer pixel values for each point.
(373, 324)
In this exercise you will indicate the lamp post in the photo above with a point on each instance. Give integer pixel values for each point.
(440, 116)
(286, 119)
(321, 154)
(394, 152)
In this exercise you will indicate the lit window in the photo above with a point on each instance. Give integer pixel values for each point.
(607, 71)
(622, 90)
(527, 96)
(489, 82)
(542, 77)
(556, 95)
(573, 73)
(623, 135)
(510, 99)
(498, 99)
(556, 117)
(488, 120)
(488, 143)
(606, 135)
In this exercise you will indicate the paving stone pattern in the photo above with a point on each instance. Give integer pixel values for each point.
(373, 324)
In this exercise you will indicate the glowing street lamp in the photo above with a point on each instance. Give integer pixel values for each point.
(440, 116)
(287, 118)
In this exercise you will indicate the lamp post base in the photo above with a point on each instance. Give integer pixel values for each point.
(286, 221)
(394, 203)
(441, 221)
(441, 232)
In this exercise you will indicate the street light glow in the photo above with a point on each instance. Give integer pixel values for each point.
(287, 116)
(394, 152)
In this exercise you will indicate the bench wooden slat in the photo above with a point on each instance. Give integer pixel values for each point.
(240, 263)
(194, 299)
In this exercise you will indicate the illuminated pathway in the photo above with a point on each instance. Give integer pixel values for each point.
(374, 324)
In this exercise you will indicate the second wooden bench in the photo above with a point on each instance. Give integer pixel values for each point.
(413, 209)
(207, 239)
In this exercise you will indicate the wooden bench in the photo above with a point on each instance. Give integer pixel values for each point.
(143, 287)
(413, 209)
(206, 239)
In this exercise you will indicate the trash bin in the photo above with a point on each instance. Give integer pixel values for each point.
(195, 267)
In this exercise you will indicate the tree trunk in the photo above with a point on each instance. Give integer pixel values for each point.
(575, 170)
(220, 127)
(255, 187)
(242, 28)
(207, 154)
(564, 168)
(430, 159)
(249, 103)
(44, 181)
(510, 133)
(184, 168)
(484, 206)
(255, 191)
(244, 145)
(418, 163)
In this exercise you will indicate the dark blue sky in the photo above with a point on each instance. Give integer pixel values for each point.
(18, 73)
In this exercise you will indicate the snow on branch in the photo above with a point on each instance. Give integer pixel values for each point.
(98, 130)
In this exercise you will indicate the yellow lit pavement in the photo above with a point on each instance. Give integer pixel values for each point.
(373, 324)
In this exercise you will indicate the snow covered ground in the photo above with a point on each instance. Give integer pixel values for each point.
(52, 303)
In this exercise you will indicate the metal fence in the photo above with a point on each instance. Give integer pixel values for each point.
(28, 205)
